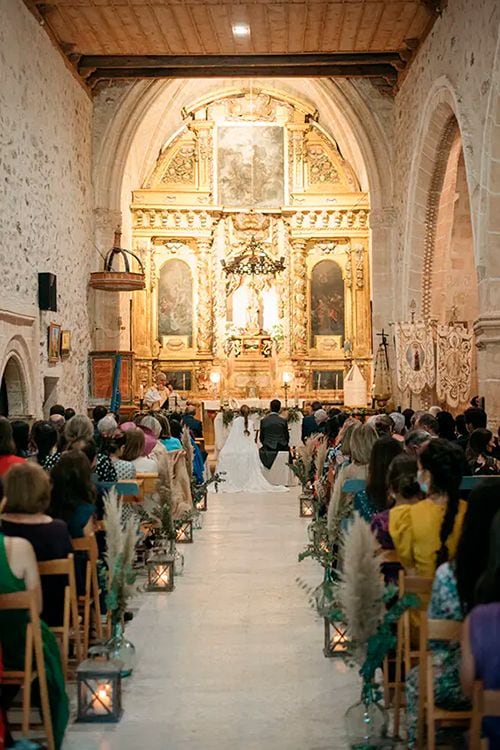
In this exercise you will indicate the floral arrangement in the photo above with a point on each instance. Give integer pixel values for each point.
(229, 414)
(303, 463)
(121, 542)
(365, 604)
(278, 336)
(188, 448)
(294, 414)
(199, 490)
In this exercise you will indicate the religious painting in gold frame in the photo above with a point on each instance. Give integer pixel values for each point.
(175, 302)
(53, 342)
(65, 343)
(327, 302)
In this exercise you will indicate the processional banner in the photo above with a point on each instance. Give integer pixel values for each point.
(454, 364)
(415, 356)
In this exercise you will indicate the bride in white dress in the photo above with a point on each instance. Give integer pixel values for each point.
(239, 459)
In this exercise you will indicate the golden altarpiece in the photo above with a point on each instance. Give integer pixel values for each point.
(252, 169)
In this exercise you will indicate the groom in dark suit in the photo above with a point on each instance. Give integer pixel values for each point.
(274, 435)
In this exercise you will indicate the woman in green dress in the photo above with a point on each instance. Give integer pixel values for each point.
(19, 572)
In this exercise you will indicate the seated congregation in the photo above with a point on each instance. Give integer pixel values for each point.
(404, 475)
(53, 477)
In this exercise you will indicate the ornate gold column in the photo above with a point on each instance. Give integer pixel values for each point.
(205, 315)
(299, 326)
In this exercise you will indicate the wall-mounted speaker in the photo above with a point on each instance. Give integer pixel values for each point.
(47, 291)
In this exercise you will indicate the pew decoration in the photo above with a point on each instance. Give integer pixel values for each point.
(121, 541)
(369, 611)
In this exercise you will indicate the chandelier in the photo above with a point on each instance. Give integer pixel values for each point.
(253, 261)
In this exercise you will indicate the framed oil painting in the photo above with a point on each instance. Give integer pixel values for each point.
(65, 343)
(327, 300)
(327, 380)
(250, 166)
(54, 342)
(175, 301)
(180, 379)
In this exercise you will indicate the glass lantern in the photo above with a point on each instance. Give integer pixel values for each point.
(336, 640)
(202, 502)
(99, 689)
(184, 532)
(306, 508)
(160, 566)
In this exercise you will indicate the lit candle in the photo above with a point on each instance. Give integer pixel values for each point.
(141, 391)
(319, 381)
(336, 380)
(183, 381)
(101, 703)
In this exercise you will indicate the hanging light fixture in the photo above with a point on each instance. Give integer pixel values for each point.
(111, 280)
(253, 261)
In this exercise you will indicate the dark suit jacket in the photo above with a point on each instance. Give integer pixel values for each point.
(274, 432)
(309, 426)
(193, 424)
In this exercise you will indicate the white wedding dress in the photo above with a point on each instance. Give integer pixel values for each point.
(239, 459)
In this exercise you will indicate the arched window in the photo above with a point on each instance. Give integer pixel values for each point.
(175, 300)
(326, 300)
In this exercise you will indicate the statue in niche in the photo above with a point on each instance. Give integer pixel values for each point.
(253, 312)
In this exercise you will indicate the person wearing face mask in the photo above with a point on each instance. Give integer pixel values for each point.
(426, 534)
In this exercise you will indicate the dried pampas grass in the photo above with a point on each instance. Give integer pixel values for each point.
(321, 454)
(361, 588)
(121, 542)
(113, 521)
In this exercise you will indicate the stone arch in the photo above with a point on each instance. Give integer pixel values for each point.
(438, 130)
(15, 381)
(487, 327)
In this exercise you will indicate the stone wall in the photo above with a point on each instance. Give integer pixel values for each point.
(46, 221)
(453, 74)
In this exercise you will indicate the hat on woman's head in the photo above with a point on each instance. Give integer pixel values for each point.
(151, 424)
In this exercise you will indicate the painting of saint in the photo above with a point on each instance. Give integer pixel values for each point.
(327, 299)
(415, 356)
(175, 300)
(250, 165)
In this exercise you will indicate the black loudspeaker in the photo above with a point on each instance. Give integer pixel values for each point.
(47, 291)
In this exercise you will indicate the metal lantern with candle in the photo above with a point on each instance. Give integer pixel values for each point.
(160, 566)
(99, 688)
(336, 642)
(184, 531)
(306, 504)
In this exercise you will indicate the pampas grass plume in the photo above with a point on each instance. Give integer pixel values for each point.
(186, 444)
(113, 519)
(361, 588)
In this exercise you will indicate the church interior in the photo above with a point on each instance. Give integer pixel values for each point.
(213, 204)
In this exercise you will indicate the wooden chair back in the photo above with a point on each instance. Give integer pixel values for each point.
(389, 665)
(148, 483)
(89, 601)
(70, 629)
(27, 600)
(430, 714)
(406, 654)
(484, 703)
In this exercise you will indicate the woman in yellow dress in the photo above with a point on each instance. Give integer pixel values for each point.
(426, 534)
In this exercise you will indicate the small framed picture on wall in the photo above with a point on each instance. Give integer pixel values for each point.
(65, 343)
(54, 342)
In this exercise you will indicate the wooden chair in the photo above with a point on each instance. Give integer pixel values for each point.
(148, 483)
(70, 628)
(388, 556)
(89, 601)
(27, 600)
(484, 703)
(405, 653)
(439, 630)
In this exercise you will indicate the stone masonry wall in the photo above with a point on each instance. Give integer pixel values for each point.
(46, 221)
(460, 51)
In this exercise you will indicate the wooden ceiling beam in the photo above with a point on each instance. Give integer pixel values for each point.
(385, 72)
(222, 62)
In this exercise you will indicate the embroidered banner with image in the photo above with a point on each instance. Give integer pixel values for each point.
(454, 364)
(414, 356)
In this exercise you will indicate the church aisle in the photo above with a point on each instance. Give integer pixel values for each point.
(232, 659)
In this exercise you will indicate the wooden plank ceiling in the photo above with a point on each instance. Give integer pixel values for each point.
(154, 38)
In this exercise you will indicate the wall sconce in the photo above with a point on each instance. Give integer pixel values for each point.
(287, 379)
